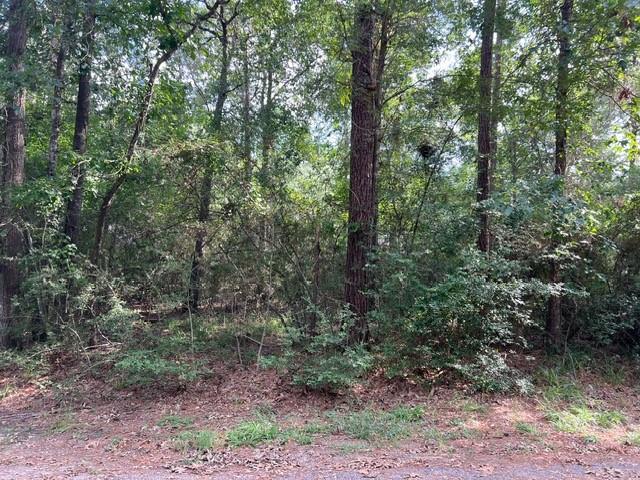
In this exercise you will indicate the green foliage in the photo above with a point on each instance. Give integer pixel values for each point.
(31, 364)
(460, 322)
(326, 361)
(146, 367)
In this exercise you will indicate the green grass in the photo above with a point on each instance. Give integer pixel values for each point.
(579, 419)
(114, 443)
(610, 418)
(434, 435)
(303, 435)
(352, 447)
(527, 429)
(6, 391)
(296, 435)
(409, 414)
(175, 421)
(252, 433)
(633, 438)
(613, 373)
(590, 439)
(560, 386)
(199, 440)
(371, 425)
(471, 406)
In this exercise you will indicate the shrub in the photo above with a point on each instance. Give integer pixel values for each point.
(146, 367)
(326, 361)
(460, 323)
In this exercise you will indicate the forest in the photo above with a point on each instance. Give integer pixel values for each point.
(399, 214)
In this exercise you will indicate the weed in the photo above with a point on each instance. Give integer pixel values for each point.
(613, 374)
(252, 433)
(265, 410)
(175, 421)
(147, 367)
(370, 425)
(633, 438)
(590, 439)
(408, 414)
(527, 429)
(434, 435)
(6, 391)
(114, 443)
(199, 440)
(471, 406)
(559, 387)
(610, 418)
(64, 423)
(578, 419)
(352, 447)
(296, 435)
(30, 363)
(302, 435)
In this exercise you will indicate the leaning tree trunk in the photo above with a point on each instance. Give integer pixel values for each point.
(13, 171)
(138, 128)
(362, 205)
(197, 267)
(554, 313)
(83, 108)
(484, 124)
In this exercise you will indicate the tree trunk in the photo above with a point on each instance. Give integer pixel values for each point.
(138, 128)
(13, 169)
(197, 267)
(267, 122)
(246, 112)
(554, 313)
(56, 103)
(496, 97)
(83, 108)
(362, 208)
(484, 124)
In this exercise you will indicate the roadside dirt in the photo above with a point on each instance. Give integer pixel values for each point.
(87, 430)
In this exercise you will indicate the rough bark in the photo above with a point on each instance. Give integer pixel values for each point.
(197, 267)
(13, 169)
(362, 208)
(484, 123)
(554, 313)
(83, 109)
(138, 128)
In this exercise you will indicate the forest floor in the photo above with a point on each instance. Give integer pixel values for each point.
(245, 423)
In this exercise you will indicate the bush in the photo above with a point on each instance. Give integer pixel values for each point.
(326, 361)
(146, 367)
(461, 322)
